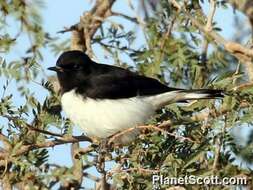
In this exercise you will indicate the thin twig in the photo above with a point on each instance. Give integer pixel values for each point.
(117, 135)
(210, 16)
(91, 177)
(218, 146)
(64, 140)
(217, 154)
(14, 118)
(132, 19)
(68, 29)
(136, 169)
(165, 37)
(243, 86)
(119, 48)
(83, 151)
(43, 131)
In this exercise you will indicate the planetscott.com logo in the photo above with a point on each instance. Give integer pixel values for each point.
(198, 180)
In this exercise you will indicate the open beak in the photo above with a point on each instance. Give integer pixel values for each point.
(56, 69)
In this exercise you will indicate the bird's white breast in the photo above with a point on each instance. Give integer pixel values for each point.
(104, 117)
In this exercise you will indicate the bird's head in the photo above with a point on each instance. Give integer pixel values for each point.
(72, 68)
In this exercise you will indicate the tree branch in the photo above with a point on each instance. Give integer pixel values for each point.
(237, 50)
(151, 127)
(64, 140)
(77, 166)
(132, 19)
(91, 177)
(30, 127)
(210, 16)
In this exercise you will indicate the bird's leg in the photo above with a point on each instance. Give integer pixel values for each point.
(103, 148)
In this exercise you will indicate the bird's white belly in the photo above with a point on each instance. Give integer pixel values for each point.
(104, 117)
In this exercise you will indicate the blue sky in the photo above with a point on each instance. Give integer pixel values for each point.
(63, 13)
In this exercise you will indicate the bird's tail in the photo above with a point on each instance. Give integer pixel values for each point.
(163, 99)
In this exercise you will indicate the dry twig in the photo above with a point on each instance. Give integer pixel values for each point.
(151, 127)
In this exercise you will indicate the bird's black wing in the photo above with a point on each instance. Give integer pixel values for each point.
(113, 83)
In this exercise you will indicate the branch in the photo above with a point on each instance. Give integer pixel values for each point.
(68, 29)
(165, 37)
(132, 19)
(151, 127)
(243, 86)
(83, 31)
(216, 154)
(210, 16)
(118, 169)
(64, 140)
(77, 40)
(124, 49)
(77, 166)
(237, 50)
(14, 119)
(102, 10)
(43, 131)
(219, 141)
(91, 177)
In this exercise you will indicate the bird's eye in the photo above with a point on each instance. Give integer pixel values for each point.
(76, 66)
(71, 66)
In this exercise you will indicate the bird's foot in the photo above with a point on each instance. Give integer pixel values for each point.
(102, 151)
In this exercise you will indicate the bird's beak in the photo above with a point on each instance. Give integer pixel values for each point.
(56, 69)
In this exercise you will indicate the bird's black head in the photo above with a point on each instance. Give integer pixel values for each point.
(72, 68)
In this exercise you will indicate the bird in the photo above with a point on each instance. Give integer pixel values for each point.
(104, 99)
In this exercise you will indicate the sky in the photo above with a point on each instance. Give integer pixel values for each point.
(58, 14)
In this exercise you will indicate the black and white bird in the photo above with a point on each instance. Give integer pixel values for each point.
(104, 99)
